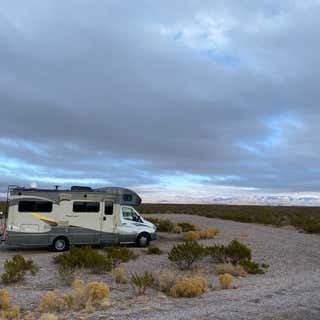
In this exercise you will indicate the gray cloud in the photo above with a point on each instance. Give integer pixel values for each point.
(129, 92)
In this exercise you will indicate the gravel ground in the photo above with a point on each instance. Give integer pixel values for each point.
(289, 290)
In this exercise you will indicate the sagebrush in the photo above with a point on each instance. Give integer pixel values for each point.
(16, 269)
(141, 282)
(186, 254)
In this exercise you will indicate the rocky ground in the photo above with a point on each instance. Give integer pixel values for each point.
(289, 290)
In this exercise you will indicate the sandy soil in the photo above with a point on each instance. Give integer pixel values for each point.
(289, 290)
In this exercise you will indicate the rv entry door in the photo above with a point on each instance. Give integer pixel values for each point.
(108, 235)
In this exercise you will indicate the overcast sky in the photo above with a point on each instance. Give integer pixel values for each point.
(181, 100)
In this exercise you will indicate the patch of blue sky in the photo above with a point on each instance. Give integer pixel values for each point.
(22, 144)
(63, 180)
(278, 126)
(222, 57)
(181, 179)
(15, 164)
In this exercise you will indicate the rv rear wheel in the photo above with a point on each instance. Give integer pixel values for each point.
(60, 244)
(143, 240)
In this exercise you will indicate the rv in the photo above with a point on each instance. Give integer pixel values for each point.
(82, 215)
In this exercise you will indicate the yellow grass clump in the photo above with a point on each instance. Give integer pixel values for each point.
(226, 281)
(189, 287)
(177, 229)
(82, 297)
(191, 236)
(119, 275)
(5, 302)
(97, 291)
(7, 312)
(49, 316)
(208, 233)
(234, 270)
(165, 281)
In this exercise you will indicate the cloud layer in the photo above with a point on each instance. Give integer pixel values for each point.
(171, 95)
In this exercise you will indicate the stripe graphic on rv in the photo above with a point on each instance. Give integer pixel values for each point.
(50, 221)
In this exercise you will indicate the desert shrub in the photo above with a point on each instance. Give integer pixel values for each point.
(226, 281)
(52, 301)
(13, 313)
(154, 250)
(311, 227)
(82, 297)
(217, 253)
(165, 281)
(49, 316)
(16, 268)
(237, 251)
(97, 291)
(119, 275)
(7, 311)
(185, 226)
(155, 221)
(251, 267)
(177, 229)
(185, 254)
(142, 282)
(66, 274)
(189, 287)
(165, 225)
(234, 270)
(191, 236)
(84, 257)
(5, 301)
(119, 254)
(208, 233)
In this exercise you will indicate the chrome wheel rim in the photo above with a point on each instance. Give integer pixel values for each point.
(60, 244)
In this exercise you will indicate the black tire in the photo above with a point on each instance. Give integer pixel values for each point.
(143, 240)
(60, 244)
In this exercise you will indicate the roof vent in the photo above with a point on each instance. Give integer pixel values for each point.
(80, 188)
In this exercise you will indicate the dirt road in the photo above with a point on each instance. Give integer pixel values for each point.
(289, 290)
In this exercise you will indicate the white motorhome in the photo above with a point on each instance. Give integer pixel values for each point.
(81, 215)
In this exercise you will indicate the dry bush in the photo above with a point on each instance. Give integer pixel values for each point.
(208, 233)
(119, 275)
(189, 287)
(82, 297)
(185, 226)
(234, 270)
(191, 236)
(49, 316)
(13, 313)
(226, 281)
(7, 312)
(97, 291)
(53, 301)
(5, 302)
(177, 229)
(165, 281)
(154, 250)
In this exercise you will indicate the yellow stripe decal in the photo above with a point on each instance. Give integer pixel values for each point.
(40, 216)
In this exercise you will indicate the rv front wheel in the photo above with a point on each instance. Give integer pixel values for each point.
(60, 244)
(143, 240)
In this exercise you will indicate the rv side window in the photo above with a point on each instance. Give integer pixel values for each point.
(129, 214)
(127, 197)
(82, 206)
(108, 208)
(35, 206)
